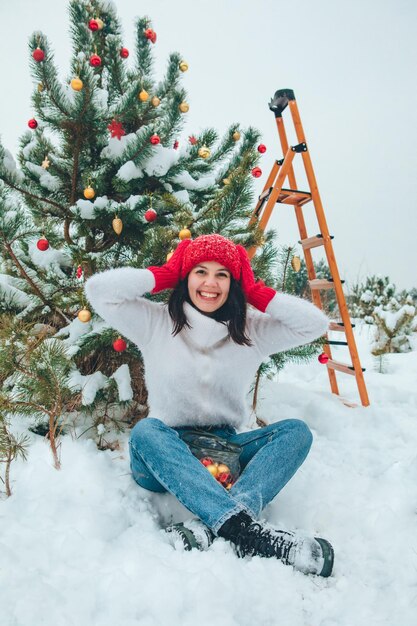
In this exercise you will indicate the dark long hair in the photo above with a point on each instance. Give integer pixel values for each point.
(232, 313)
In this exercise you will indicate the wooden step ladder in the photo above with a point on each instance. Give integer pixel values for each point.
(274, 193)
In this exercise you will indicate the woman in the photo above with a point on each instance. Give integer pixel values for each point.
(201, 354)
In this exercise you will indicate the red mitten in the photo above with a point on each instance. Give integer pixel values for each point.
(257, 294)
(168, 275)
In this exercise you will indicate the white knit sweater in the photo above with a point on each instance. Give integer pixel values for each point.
(200, 377)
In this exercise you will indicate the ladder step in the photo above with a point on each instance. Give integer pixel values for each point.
(288, 196)
(293, 196)
(342, 367)
(338, 326)
(313, 242)
(322, 283)
(330, 342)
(351, 405)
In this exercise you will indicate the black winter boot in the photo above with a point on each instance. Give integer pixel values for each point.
(306, 554)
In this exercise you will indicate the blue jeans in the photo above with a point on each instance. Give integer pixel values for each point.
(161, 461)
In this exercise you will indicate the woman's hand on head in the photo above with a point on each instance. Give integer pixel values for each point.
(167, 276)
(256, 292)
(247, 277)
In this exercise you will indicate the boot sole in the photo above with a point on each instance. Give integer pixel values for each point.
(185, 535)
(328, 556)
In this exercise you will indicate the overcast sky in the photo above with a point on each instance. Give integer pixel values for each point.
(352, 65)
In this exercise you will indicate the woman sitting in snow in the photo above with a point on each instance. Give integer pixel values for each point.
(201, 354)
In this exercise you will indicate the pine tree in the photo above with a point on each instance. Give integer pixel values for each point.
(35, 376)
(394, 323)
(11, 448)
(377, 290)
(392, 313)
(106, 177)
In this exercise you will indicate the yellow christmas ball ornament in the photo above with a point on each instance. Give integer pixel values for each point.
(226, 181)
(89, 193)
(184, 107)
(40, 87)
(236, 135)
(155, 101)
(100, 23)
(117, 225)
(143, 95)
(204, 152)
(183, 66)
(212, 469)
(296, 263)
(184, 234)
(77, 84)
(169, 255)
(84, 315)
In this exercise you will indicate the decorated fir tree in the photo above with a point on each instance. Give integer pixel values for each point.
(107, 177)
(104, 179)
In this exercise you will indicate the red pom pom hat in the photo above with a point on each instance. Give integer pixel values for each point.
(212, 248)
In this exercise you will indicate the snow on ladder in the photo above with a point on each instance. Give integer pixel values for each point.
(275, 193)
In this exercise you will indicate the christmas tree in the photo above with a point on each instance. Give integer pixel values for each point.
(105, 177)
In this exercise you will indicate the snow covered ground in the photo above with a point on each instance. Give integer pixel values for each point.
(83, 546)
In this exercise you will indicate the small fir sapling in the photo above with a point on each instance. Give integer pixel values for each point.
(12, 447)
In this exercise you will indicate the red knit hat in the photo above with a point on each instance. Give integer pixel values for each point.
(212, 248)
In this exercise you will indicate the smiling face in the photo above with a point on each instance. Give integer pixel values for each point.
(208, 286)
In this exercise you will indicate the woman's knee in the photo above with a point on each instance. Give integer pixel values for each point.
(144, 429)
(299, 432)
(302, 432)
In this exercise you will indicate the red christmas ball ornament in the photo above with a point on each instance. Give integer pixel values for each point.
(224, 477)
(150, 215)
(262, 148)
(42, 244)
(38, 55)
(119, 344)
(95, 60)
(33, 123)
(176, 144)
(124, 53)
(155, 139)
(93, 25)
(79, 271)
(323, 358)
(150, 34)
(256, 172)
(207, 461)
